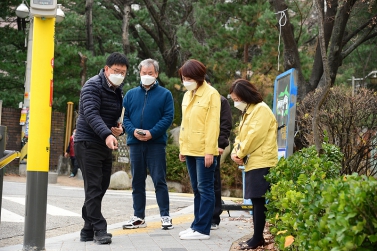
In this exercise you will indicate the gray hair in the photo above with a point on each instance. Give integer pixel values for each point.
(148, 62)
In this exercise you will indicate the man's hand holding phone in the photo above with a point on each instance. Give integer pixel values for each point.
(141, 132)
(142, 135)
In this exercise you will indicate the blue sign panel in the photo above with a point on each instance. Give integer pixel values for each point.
(285, 97)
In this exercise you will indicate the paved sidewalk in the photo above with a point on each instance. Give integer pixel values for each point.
(153, 238)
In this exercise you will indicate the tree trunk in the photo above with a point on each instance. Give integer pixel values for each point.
(328, 25)
(336, 41)
(83, 73)
(245, 60)
(324, 91)
(291, 55)
(125, 28)
(89, 26)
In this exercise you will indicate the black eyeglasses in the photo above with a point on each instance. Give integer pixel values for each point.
(123, 73)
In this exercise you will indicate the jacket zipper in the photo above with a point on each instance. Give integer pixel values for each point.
(142, 112)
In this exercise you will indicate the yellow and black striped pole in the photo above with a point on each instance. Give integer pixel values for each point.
(41, 89)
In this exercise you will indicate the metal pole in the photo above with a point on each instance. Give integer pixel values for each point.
(353, 86)
(3, 132)
(69, 126)
(28, 65)
(41, 89)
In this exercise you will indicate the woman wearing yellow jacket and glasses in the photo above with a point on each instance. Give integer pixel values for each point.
(255, 148)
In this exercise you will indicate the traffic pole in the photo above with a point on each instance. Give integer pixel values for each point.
(3, 133)
(41, 89)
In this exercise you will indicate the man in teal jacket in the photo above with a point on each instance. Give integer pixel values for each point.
(149, 111)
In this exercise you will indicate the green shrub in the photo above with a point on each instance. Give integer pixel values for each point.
(349, 221)
(231, 176)
(310, 201)
(175, 169)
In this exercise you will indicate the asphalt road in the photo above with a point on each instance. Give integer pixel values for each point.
(64, 209)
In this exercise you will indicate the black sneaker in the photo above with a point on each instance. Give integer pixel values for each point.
(88, 234)
(102, 237)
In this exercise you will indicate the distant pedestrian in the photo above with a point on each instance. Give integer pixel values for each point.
(198, 144)
(100, 108)
(255, 148)
(223, 142)
(70, 152)
(149, 112)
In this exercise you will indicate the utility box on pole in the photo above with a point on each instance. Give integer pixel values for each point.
(43, 8)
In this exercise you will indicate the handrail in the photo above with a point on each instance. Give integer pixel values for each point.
(9, 156)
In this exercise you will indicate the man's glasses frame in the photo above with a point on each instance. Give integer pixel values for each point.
(118, 72)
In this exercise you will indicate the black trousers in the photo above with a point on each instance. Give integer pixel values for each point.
(217, 187)
(95, 161)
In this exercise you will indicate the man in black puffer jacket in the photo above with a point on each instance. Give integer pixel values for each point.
(97, 126)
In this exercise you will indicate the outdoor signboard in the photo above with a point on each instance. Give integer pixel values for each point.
(284, 108)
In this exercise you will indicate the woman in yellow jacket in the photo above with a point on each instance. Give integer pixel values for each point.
(198, 144)
(255, 148)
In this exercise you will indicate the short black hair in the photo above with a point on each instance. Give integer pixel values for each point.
(117, 58)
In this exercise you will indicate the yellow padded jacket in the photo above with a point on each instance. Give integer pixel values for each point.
(257, 137)
(200, 122)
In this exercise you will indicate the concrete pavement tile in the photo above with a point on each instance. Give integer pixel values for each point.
(173, 249)
(216, 248)
(96, 247)
(159, 235)
(149, 248)
(66, 246)
(123, 248)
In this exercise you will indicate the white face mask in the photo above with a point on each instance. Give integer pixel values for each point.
(190, 86)
(147, 80)
(240, 105)
(116, 79)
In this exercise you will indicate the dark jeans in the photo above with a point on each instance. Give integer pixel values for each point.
(152, 157)
(202, 179)
(95, 161)
(74, 165)
(217, 187)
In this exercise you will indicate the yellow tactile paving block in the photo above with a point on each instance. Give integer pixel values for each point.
(151, 226)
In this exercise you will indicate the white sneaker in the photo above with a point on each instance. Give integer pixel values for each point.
(194, 235)
(214, 226)
(135, 222)
(166, 223)
(185, 231)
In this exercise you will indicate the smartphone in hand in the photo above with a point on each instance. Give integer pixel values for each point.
(140, 132)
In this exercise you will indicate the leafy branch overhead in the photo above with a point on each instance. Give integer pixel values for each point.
(233, 38)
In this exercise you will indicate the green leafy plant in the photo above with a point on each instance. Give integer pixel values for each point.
(175, 169)
(320, 209)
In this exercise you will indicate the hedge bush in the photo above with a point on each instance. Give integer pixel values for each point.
(311, 202)
(175, 169)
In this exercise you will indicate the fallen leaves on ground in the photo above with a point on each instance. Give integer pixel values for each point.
(268, 237)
